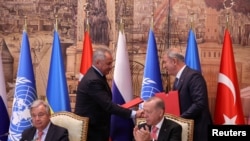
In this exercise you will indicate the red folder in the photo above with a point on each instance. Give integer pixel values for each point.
(171, 100)
(132, 103)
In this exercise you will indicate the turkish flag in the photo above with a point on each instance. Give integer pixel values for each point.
(228, 108)
(87, 53)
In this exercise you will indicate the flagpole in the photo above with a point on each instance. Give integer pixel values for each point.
(25, 24)
(86, 7)
(169, 18)
(192, 20)
(121, 25)
(87, 21)
(122, 90)
(168, 87)
(58, 99)
(25, 81)
(56, 24)
(227, 17)
(152, 21)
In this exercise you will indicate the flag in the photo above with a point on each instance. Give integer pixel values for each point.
(87, 53)
(151, 82)
(192, 58)
(4, 118)
(121, 128)
(57, 88)
(228, 108)
(25, 92)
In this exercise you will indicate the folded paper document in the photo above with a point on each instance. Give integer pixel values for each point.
(171, 100)
(132, 103)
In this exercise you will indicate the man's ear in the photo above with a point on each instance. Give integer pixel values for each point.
(97, 62)
(175, 61)
(162, 113)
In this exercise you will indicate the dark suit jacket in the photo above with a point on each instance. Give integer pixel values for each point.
(170, 130)
(193, 98)
(94, 100)
(55, 133)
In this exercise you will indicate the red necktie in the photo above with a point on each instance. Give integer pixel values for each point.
(40, 134)
(154, 133)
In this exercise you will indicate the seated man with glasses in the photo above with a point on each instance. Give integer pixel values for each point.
(43, 129)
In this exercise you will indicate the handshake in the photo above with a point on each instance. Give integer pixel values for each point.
(132, 103)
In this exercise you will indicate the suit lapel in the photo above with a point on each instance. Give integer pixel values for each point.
(164, 131)
(182, 78)
(106, 82)
(32, 133)
(103, 78)
(50, 133)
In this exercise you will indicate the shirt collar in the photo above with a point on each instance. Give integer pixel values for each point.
(97, 70)
(45, 130)
(158, 125)
(178, 75)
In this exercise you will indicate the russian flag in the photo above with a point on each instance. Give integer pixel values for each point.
(121, 128)
(4, 118)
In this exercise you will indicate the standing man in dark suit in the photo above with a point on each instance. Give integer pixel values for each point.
(192, 88)
(43, 129)
(157, 127)
(94, 97)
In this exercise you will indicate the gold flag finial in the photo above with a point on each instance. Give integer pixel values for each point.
(121, 25)
(192, 20)
(152, 20)
(227, 19)
(87, 21)
(25, 24)
(86, 8)
(56, 24)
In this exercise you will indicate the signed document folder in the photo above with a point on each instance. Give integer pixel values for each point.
(133, 103)
(171, 100)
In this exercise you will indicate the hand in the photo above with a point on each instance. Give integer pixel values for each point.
(142, 134)
(139, 114)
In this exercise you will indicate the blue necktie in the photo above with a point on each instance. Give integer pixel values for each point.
(176, 81)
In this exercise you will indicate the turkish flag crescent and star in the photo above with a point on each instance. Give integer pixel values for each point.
(228, 108)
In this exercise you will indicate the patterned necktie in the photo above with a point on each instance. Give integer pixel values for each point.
(154, 133)
(40, 134)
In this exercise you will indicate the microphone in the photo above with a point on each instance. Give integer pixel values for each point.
(5, 134)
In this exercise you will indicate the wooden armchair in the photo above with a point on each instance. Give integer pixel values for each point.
(187, 125)
(77, 126)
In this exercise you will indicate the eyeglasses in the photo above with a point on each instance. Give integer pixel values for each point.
(39, 115)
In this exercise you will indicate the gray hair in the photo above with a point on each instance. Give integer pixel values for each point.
(39, 102)
(175, 54)
(99, 53)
